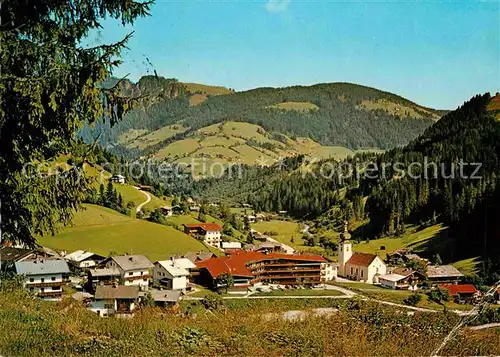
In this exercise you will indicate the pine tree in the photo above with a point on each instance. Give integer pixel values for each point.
(50, 84)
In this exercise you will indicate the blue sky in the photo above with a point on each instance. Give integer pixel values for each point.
(436, 53)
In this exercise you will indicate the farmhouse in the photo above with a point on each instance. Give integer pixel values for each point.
(10, 255)
(443, 274)
(118, 179)
(461, 293)
(173, 274)
(102, 276)
(166, 298)
(199, 256)
(45, 277)
(167, 211)
(251, 218)
(82, 259)
(208, 232)
(358, 266)
(248, 268)
(401, 279)
(134, 269)
(115, 300)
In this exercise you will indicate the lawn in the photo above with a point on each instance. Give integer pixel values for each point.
(103, 231)
(468, 266)
(285, 231)
(179, 148)
(413, 238)
(156, 136)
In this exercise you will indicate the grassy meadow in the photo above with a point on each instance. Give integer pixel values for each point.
(102, 231)
(31, 327)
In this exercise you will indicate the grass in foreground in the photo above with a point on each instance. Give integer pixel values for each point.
(34, 328)
(103, 231)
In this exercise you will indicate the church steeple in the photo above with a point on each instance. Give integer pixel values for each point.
(345, 235)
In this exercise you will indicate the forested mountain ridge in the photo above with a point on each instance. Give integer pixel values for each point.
(459, 187)
(334, 114)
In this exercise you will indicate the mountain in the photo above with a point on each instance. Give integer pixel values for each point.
(343, 115)
(461, 191)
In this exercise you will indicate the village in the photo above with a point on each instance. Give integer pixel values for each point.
(119, 284)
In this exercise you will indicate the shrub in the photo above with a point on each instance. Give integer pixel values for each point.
(413, 300)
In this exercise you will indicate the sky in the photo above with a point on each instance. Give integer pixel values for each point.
(435, 53)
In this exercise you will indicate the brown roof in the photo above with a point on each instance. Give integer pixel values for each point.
(443, 271)
(403, 271)
(362, 259)
(116, 292)
(13, 254)
(200, 256)
(205, 226)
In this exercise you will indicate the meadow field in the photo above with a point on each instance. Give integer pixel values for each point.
(102, 231)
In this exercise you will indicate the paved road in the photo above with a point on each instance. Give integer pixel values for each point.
(148, 199)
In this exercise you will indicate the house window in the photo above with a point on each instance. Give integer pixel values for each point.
(361, 272)
(55, 288)
(42, 280)
(145, 280)
(53, 278)
(352, 270)
(142, 273)
(32, 289)
(42, 290)
(131, 273)
(32, 280)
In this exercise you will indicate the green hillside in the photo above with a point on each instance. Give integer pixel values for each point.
(332, 115)
(102, 231)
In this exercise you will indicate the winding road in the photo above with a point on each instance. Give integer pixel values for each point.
(148, 199)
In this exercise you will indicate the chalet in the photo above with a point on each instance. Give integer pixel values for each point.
(231, 245)
(45, 277)
(443, 274)
(167, 211)
(115, 300)
(102, 276)
(173, 274)
(199, 256)
(462, 293)
(10, 255)
(260, 237)
(358, 266)
(118, 179)
(82, 259)
(249, 268)
(166, 298)
(195, 208)
(401, 256)
(251, 218)
(210, 233)
(401, 279)
(134, 269)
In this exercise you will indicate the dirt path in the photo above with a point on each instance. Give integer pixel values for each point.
(148, 199)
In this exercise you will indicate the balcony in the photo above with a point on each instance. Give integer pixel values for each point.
(138, 277)
(50, 293)
(45, 284)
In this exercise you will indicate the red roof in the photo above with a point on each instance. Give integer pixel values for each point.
(455, 289)
(362, 259)
(236, 264)
(205, 226)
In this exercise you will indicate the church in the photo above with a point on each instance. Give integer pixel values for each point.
(358, 266)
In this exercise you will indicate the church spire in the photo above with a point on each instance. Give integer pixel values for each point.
(345, 235)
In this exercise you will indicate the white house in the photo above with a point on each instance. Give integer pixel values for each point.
(134, 269)
(231, 245)
(82, 259)
(210, 233)
(167, 211)
(118, 179)
(173, 273)
(328, 271)
(358, 266)
(115, 300)
(45, 277)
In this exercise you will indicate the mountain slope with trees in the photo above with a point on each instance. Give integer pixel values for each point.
(335, 114)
